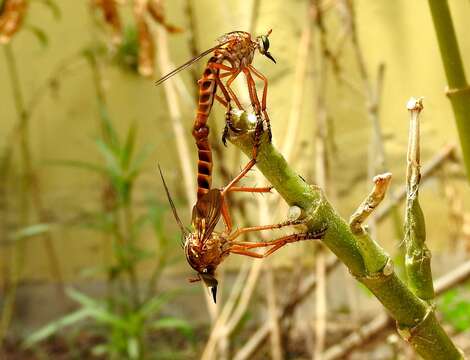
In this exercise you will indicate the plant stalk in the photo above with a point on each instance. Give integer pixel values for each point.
(417, 255)
(458, 89)
(415, 318)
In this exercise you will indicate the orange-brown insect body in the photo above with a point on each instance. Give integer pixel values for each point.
(238, 49)
(205, 248)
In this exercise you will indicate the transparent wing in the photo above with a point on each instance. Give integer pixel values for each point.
(184, 231)
(206, 213)
(189, 63)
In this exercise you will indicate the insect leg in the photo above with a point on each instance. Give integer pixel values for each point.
(221, 100)
(226, 215)
(246, 253)
(240, 247)
(232, 183)
(228, 105)
(257, 107)
(245, 230)
(230, 90)
(263, 100)
(251, 189)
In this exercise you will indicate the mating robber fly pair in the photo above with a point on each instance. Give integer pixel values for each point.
(204, 247)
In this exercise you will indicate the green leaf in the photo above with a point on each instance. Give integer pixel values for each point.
(82, 299)
(153, 305)
(112, 160)
(110, 135)
(96, 309)
(53, 7)
(39, 34)
(136, 165)
(78, 164)
(128, 146)
(54, 326)
(100, 350)
(30, 231)
(133, 348)
(173, 323)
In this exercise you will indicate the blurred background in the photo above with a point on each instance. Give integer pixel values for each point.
(90, 260)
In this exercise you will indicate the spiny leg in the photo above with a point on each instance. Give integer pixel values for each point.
(251, 189)
(243, 248)
(224, 208)
(226, 215)
(228, 119)
(257, 107)
(221, 100)
(263, 100)
(237, 178)
(228, 99)
(233, 73)
(225, 211)
(228, 105)
(229, 82)
(246, 253)
(245, 230)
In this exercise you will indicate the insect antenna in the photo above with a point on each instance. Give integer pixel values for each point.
(184, 231)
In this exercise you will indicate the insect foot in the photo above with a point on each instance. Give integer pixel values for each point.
(317, 234)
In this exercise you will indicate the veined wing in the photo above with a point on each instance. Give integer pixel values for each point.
(190, 62)
(184, 231)
(206, 213)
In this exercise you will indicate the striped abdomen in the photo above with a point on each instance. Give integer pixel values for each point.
(207, 89)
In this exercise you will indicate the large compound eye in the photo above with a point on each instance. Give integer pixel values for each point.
(265, 41)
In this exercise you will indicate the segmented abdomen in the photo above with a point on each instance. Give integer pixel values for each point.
(207, 89)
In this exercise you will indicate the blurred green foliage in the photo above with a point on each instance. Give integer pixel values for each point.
(455, 307)
(132, 309)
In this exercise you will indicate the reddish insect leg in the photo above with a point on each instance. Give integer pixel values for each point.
(243, 248)
(263, 100)
(221, 100)
(226, 216)
(257, 107)
(245, 230)
(232, 183)
(233, 73)
(251, 189)
(224, 209)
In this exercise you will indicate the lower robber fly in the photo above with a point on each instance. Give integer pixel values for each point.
(206, 248)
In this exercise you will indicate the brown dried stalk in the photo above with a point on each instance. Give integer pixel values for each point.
(308, 285)
(383, 324)
(11, 18)
(381, 183)
(146, 43)
(111, 17)
(156, 11)
(445, 154)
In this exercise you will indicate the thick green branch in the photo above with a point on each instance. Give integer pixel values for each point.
(459, 91)
(414, 317)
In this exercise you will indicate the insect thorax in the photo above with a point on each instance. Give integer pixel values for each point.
(240, 51)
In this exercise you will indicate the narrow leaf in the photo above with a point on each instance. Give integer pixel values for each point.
(39, 34)
(30, 231)
(54, 326)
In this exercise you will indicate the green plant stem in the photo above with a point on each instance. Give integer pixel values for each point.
(417, 255)
(129, 236)
(459, 90)
(29, 190)
(366, 260)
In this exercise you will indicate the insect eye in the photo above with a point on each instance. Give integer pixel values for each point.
(265, 43)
